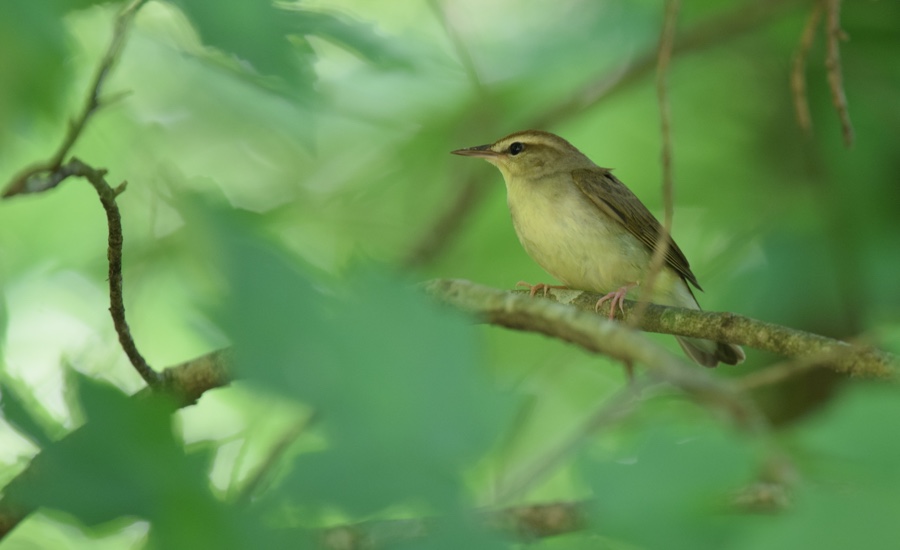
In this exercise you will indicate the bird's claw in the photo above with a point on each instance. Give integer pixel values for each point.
(534, 289)
(617, 298)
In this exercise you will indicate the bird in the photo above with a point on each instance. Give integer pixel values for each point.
(588, 230)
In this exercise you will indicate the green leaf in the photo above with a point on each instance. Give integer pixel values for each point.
(34, 61)
(253, 31)
(21, 416)
(453, 533)
(66, 6)
(856, 437)
(850, 453)
(353, 35)
(395, 379)
(125, 462)
(673, 490)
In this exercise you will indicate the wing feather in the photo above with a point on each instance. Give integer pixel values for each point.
(615, 200)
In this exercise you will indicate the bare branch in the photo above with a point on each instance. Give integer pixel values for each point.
(188, 381)
(514, 309)
(518, 311)
(108, 195)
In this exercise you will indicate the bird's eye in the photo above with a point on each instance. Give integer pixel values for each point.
(516, 148)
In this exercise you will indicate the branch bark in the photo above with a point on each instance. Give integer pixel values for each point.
(581, 326)
(514, 309)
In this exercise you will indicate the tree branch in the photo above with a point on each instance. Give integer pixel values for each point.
(108, 195)
(514, 309)
(582, 327)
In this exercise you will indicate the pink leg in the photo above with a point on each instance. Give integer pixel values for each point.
(534, 289)
(616, 297)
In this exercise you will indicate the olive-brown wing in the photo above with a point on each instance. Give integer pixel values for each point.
(618, 202)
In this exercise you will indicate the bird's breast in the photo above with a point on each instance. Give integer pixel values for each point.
(572, 239)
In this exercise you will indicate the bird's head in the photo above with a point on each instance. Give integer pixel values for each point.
(531, 154)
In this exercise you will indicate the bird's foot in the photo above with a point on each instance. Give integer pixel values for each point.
(534, 289)
(616, 297)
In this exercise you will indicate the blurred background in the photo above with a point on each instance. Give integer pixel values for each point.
(320, 133)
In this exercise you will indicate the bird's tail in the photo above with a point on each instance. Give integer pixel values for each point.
(705, 352)
(709, 353)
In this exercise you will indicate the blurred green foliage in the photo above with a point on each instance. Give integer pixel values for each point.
(285, 159)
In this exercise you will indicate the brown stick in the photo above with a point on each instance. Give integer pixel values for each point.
(664, 57)
(833, 65)
(798, 71)
(543, 315)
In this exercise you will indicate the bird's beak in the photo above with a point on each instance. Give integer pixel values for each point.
(482, 151)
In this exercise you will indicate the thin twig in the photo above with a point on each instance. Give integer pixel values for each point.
(798, 72)
(833, 64)
(44, 175)
(52, 172)
(664, 57)
(114, 256)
